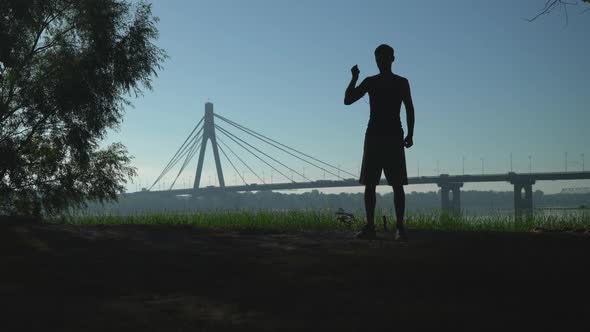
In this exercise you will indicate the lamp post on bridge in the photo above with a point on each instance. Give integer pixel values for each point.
(482, 166)
(418, 168)
(463, 165)
(530, 164)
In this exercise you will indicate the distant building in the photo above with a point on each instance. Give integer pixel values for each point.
(580, 190)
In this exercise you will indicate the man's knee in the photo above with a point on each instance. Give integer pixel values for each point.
(398, 190)
(370, 188)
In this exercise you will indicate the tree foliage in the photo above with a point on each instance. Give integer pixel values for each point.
(67, 68)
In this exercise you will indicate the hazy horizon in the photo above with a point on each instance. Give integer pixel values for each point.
(485, 82)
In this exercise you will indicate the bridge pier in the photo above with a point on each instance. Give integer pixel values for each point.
(450, 196)
(523, 197)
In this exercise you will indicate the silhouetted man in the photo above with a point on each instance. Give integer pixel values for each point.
(384, 138)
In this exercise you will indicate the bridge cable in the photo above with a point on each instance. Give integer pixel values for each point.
(232, 164)
(179, 154)
(243, 162)
(252, 132)
(290, 153)
(255, 155)
(266, 140)
(188, 137)
(189, 157)
(174, 161)
(250, 145)
(186, 149)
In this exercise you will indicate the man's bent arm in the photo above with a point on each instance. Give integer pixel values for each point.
(409, 105)
(353, 93)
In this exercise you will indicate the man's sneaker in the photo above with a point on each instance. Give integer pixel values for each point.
(400, 234)
(366, 233)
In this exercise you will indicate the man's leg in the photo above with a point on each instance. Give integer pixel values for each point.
(370, 202)
(368, 232)
(399, 201)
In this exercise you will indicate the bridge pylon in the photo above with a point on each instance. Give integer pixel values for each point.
(209, 135)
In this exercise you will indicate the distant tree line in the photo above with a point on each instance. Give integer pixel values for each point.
(472, 201)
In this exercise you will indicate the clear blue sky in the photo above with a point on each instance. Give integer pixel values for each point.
(485, 82)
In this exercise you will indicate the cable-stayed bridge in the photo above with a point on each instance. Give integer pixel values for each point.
(207, 130)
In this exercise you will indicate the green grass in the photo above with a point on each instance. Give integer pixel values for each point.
(243, 220)
(298, 220)
(499, 223)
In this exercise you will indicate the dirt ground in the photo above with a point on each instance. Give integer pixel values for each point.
(171, 278)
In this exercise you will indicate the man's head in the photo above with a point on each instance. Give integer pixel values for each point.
(384, 56)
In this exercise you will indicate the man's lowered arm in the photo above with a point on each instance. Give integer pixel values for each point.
(410, 117)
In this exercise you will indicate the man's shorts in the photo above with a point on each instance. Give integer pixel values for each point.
(384, 153)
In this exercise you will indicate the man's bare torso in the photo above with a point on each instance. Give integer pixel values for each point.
(386, 93)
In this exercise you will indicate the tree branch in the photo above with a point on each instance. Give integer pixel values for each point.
(10, 94)
(54, 42)
(550, 5)
(35, 129)
(14, 132)
(2, 72)
(34, 51)
(44, 26)
(37, 183)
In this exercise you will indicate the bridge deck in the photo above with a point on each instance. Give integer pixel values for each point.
(507, 177)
